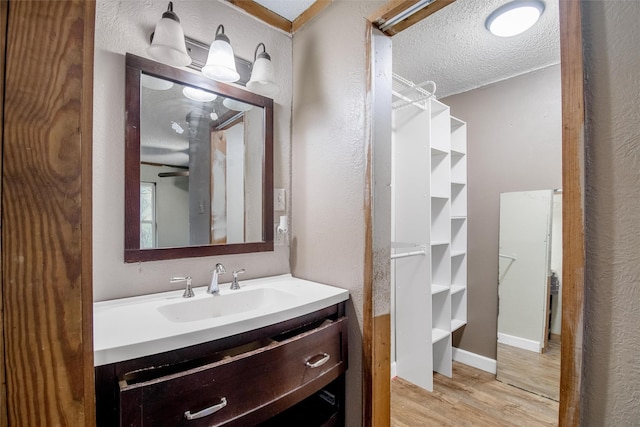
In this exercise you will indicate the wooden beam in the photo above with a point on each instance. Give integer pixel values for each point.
(390, 9)
(395, 7)
(262, 13)
(418, 16)
(573, 243)
(309, 14)
(46, 213)
(4, 421)
(382, 371)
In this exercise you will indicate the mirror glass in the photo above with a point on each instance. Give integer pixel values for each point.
(198, 165)
(529, 288)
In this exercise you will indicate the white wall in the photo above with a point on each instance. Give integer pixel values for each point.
(124, 26)
(329, 134)
(514, 143)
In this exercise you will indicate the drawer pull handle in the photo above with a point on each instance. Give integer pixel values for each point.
(325, 359)
(208, 411)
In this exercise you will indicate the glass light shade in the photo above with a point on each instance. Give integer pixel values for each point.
(221, 62)
(262, 79)
(232, 104)
(154, 83)
(514, 18)
(168, 44)
(198, 94)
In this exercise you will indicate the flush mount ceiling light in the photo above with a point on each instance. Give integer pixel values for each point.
(514, 18)
(262, 79)
(198, 94)
(167, 41)
(221, 63)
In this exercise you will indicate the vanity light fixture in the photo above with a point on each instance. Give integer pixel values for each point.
(154, 83)
(198, 95)
(221, 64)
(235, 105)
(167, 41)
(262, 79)
(514, 18)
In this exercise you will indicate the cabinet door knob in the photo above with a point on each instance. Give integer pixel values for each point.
(325, 358)
(208, 411)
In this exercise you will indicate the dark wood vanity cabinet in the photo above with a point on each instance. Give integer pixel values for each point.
(290, 373)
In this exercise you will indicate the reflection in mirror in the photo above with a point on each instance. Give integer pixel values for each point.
(530, 265)
(199, 166)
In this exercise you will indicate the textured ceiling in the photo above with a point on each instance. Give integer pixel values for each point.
(453, 48)
(289, 9)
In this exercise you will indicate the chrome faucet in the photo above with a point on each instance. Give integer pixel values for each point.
(235, 285)
(188, 292)
(213, 287)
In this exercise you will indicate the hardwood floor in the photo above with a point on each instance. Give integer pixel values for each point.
(471, 398)
(536, 372)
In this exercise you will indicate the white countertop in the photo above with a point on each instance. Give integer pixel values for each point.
(133, 327)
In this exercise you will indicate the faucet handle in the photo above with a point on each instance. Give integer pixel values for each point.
(188, 291)
(235, 285)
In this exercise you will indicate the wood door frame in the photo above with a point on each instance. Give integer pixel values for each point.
(573, 243)
(46, 287)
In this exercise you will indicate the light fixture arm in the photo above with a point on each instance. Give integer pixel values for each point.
(262, 54)
(170, 13)
(220, 35)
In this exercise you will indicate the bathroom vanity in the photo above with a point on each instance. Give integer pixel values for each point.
(279, 362)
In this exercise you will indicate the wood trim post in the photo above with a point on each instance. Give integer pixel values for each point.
(4, 422)
(377, 323)
(573, 244)
(46, 213)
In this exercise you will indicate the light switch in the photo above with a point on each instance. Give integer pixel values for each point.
(278, 199)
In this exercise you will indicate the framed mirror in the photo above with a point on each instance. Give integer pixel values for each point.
(198, 165)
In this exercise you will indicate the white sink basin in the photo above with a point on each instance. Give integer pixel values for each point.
(134, 327)
(225, 304)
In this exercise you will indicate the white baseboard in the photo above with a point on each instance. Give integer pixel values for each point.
(522, 343)
(475, 360)
(394, 370)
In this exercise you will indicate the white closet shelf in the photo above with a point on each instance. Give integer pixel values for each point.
(438, 335)
(436, 289)
(457, 253)
(458, 183)
(457, 324)
(436, 196)
(440, 243)
(456, 289)
(435, 151)
(458, 218)
(458, 152)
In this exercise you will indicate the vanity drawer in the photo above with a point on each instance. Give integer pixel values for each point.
(248, 388)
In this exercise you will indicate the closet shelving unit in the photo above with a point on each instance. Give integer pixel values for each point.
(429, 191)
(458, 224)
